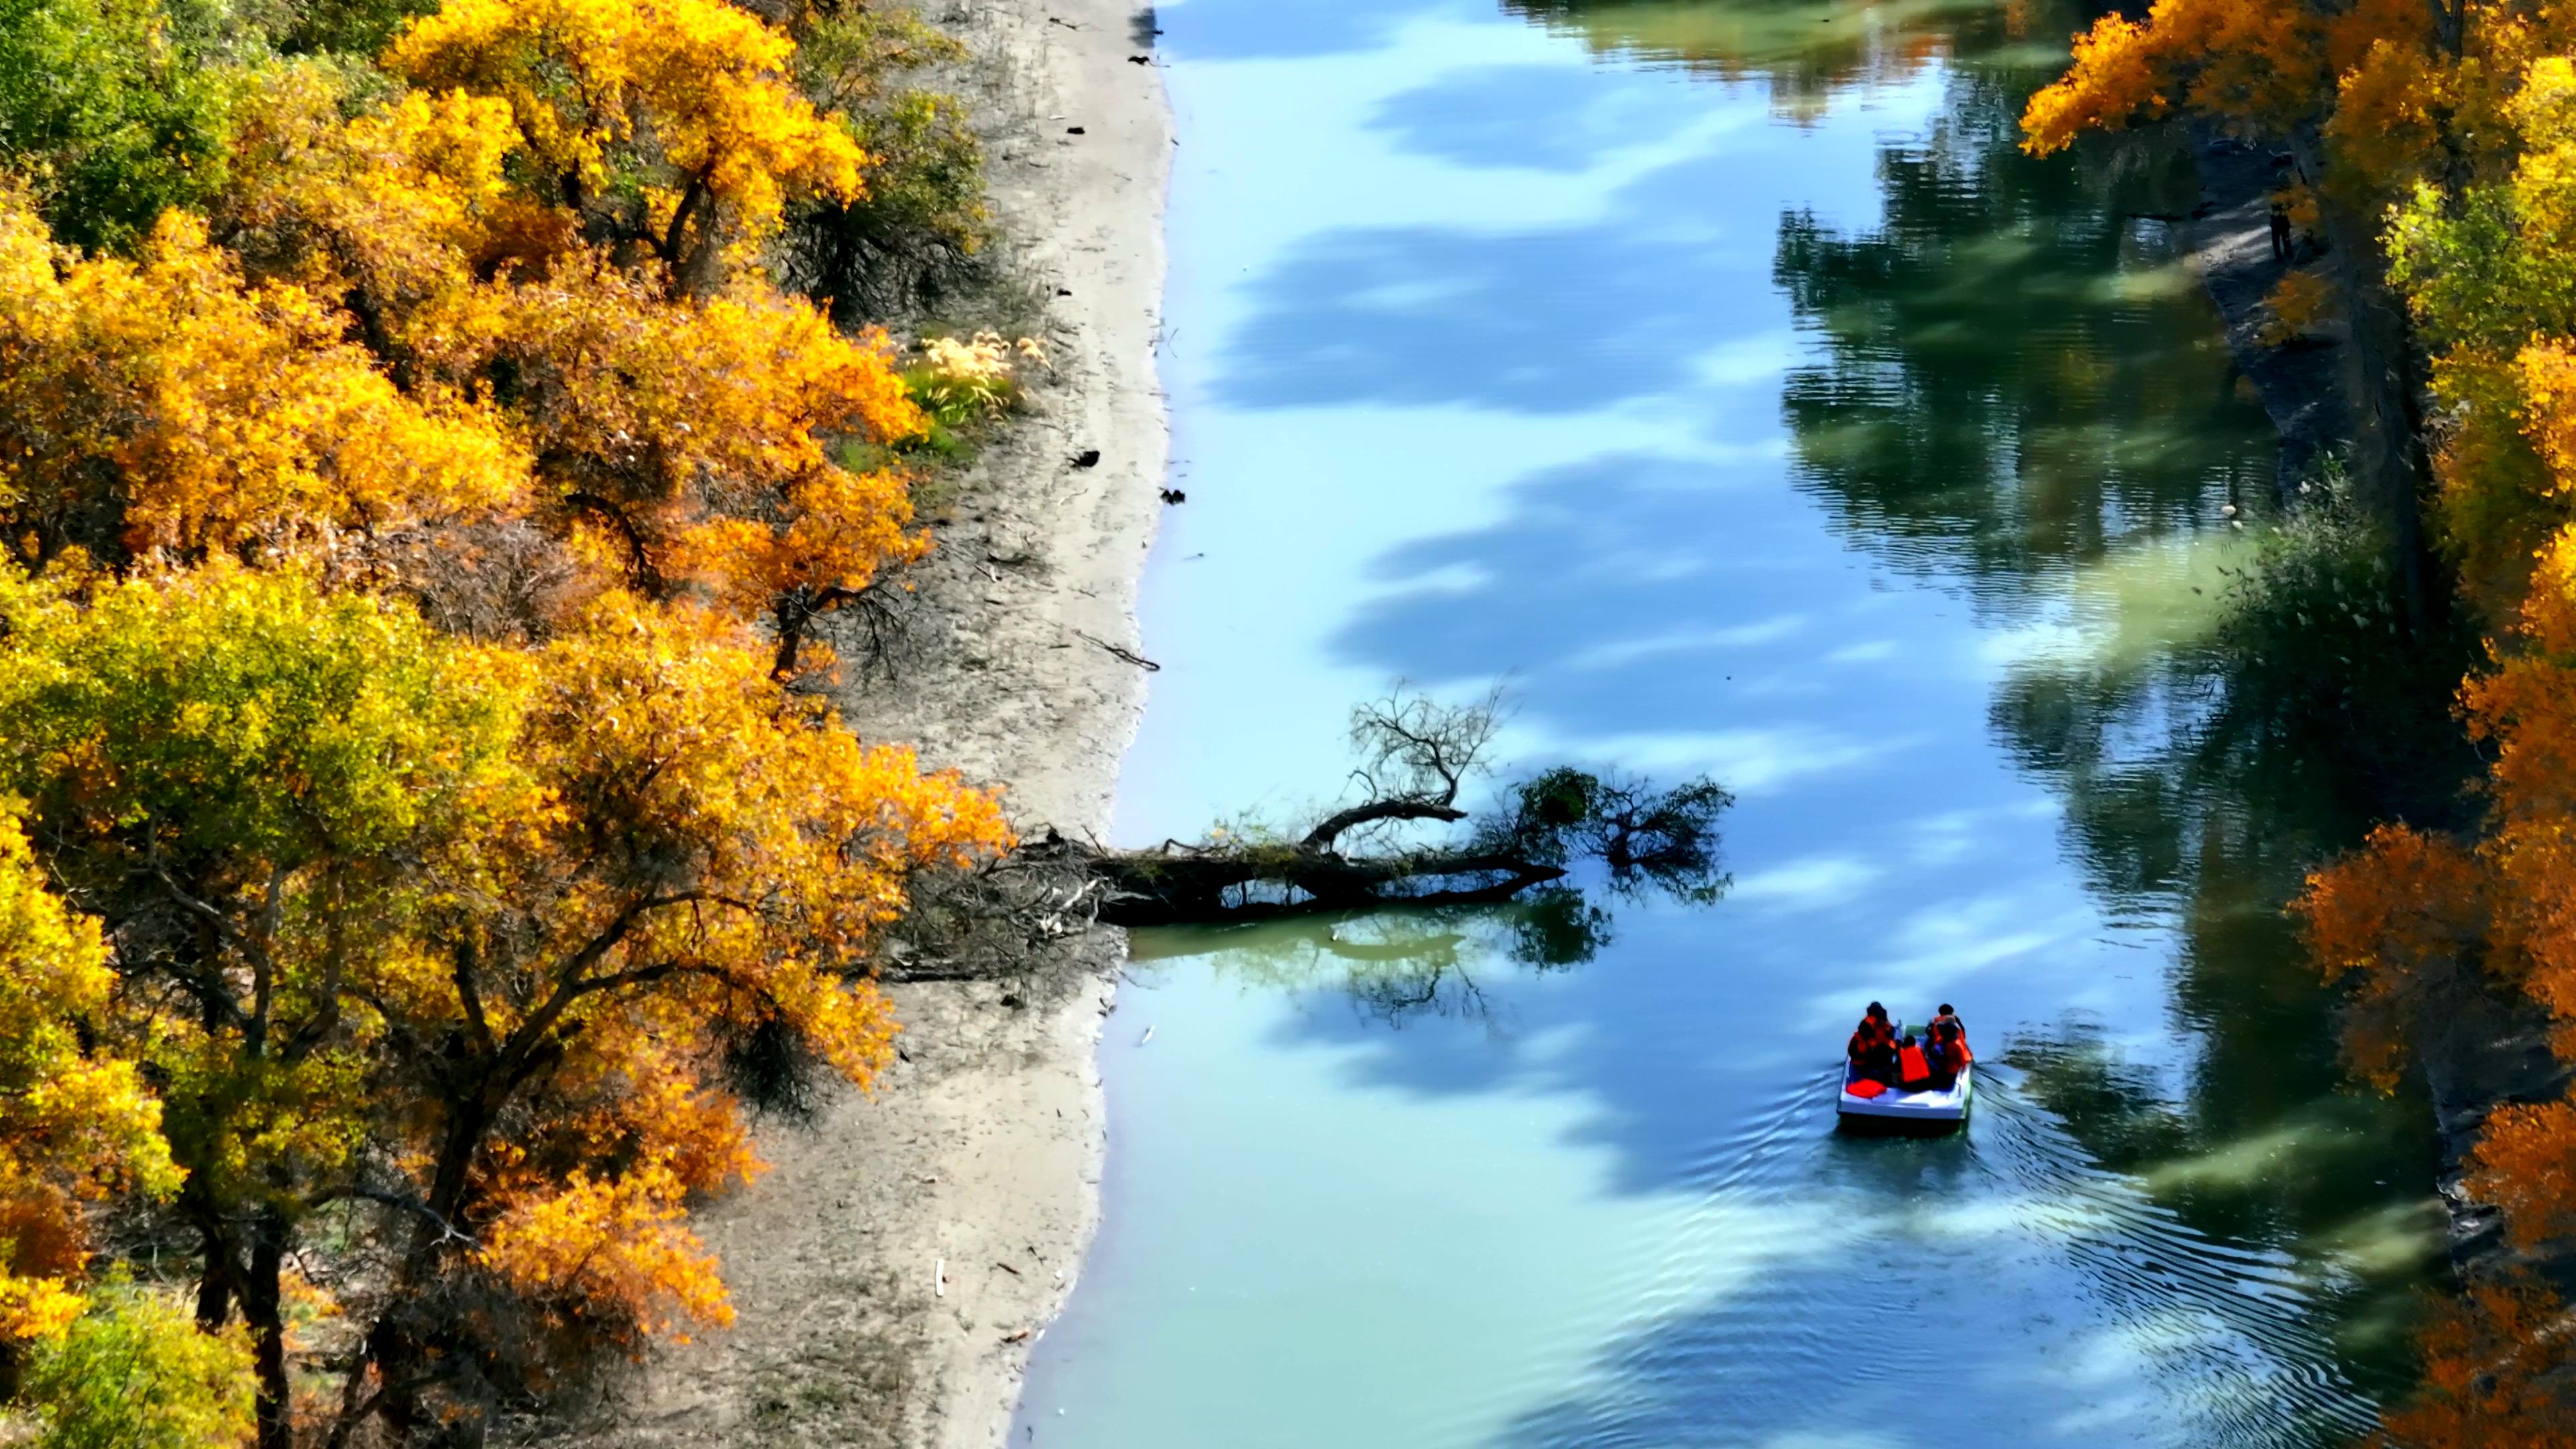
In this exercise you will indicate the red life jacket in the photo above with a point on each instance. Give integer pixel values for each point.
(1911, 1066)
(1865, 1088)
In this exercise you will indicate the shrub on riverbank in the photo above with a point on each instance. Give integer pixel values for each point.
(2320, 672)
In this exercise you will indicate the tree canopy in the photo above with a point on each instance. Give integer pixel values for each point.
(415, 806)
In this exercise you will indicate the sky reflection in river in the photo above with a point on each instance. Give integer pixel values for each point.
(1751, 410)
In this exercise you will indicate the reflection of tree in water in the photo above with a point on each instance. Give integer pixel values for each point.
(2276, 1159)
(2197, 793)
(1808, 52)
(1398, 965)
(2020, 389)
(2014, 378)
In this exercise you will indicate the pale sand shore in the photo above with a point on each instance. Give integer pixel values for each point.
(983, 1147)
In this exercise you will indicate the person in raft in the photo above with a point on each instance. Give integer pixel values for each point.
(1946, 1049)
(1872, 1048)
(1914, 1069)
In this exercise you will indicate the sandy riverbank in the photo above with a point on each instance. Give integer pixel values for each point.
(982, 1148)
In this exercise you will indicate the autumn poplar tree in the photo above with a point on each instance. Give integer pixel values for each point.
(527, 291)
(459, 936)
(453, 944)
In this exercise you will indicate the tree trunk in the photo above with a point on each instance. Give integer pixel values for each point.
(793, 611)
(261, 1299)
(392, 1342)
(214, 1284)
(1168, 887)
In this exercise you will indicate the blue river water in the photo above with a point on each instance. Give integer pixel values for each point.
(1719, 379)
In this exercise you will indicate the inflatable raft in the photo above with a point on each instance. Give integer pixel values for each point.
(1893, 1105)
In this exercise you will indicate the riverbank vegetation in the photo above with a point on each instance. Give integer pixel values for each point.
(432, 438)
(2430, 147)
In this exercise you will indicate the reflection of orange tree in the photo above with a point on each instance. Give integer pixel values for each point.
(1808, 55)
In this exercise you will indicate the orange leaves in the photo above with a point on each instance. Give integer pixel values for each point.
(714, 856)
(836, 530)
(2251, 62)
(2492, 1361)
(2406, 915)
(434, 933)
(2389, 108)
(2256, 62)
(2525, 1163)
(397, 203)
(797, 836)
(614, 1245)
(2297, 303)
(698, 428)
(2546, 374)
(2115, 78)
(445, 866)
(465, 306)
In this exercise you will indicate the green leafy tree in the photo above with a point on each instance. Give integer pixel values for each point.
(111, 112)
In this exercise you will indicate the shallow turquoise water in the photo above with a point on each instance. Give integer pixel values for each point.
(1718, 376)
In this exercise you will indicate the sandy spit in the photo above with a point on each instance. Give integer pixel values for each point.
(981, 1150)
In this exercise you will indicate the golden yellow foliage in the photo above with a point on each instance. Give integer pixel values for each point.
(662, 116)
(220, 414)
(2253, 63)
(444, 888)
(456, 942)
(690, 428)
(483, 356)
(75, 1123)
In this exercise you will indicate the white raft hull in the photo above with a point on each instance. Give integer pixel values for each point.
(1895, 1106)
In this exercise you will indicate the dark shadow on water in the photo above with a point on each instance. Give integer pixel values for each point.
(1540, 117)
(1397, 966)
(1546, 323)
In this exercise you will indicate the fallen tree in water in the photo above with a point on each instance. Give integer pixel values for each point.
(1415, 756)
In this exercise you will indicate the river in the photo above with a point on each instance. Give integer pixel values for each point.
(1720, 378)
